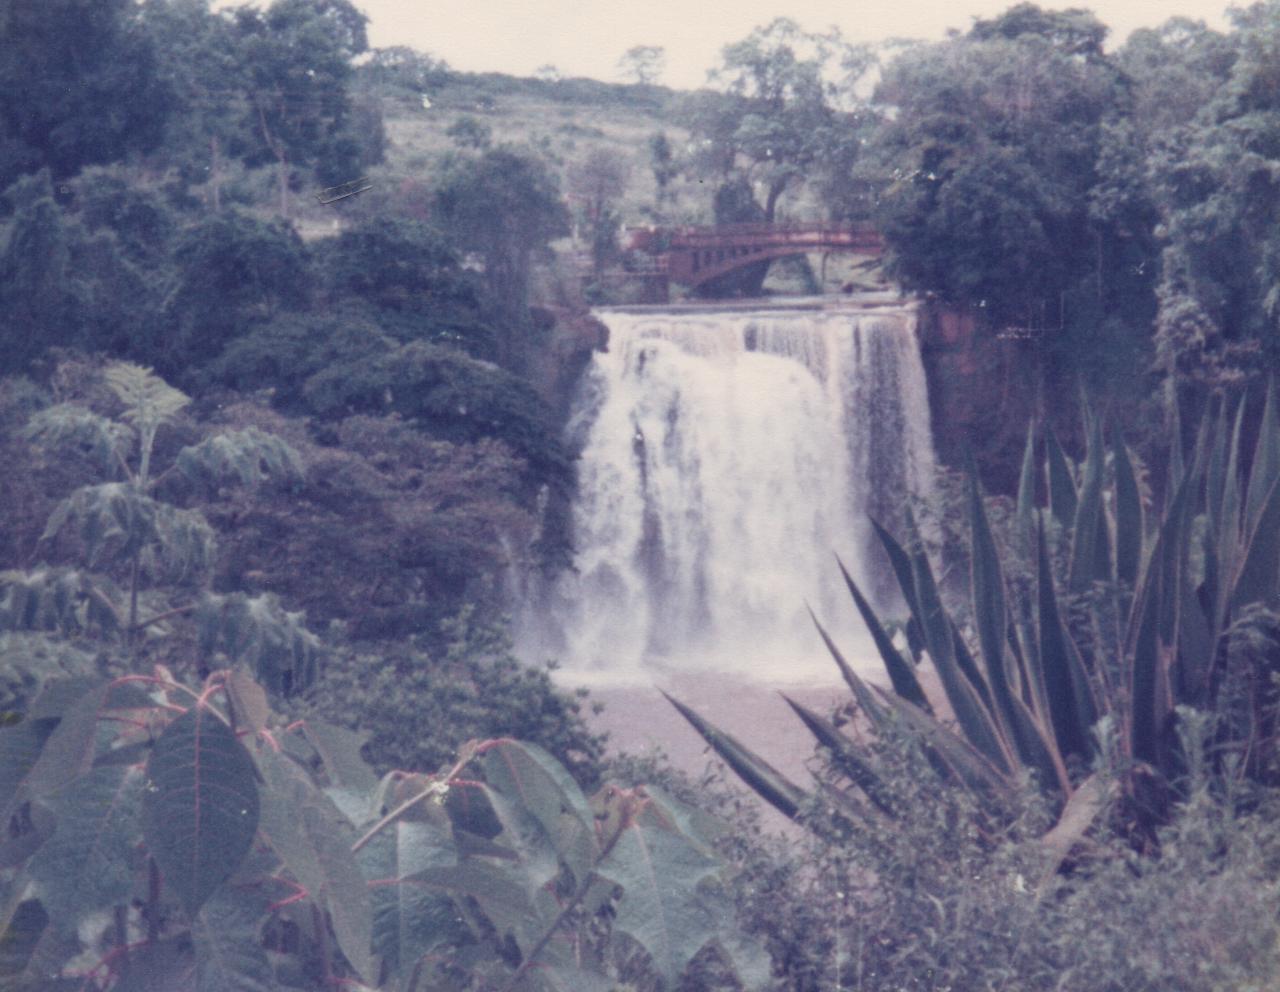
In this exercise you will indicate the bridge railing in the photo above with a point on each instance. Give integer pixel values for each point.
(666, 238)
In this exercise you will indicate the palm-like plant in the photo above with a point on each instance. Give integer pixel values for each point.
(1189, 599)
(128, 531)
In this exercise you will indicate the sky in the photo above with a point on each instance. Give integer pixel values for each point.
(587, 37)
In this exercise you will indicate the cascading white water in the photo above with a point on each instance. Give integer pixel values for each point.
(726, 455)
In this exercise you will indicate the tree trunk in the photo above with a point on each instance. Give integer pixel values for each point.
(771, 201)
(284, 185)
(215, 173)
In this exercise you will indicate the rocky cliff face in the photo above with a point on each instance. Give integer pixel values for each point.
(982, 391)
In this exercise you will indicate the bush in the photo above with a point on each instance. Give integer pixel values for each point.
(416, 706)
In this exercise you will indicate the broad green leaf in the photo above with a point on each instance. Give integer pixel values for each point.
(1177, 469)
(1259, 579)
(20, 747)
(750, 961)
(900, 673)
(313, 840)
(259, 633)
(117, 522)
(500, 891)
(69, 428)
(159, 966)
(20, 937)
(409, 920)
(1216, 467)
(64, 600)
(1062, 487)
(769, 783)
(1228, 527)
(68, 753)
(249, 457)
(564, 978)
(246, 702)
(229, 956)
(670, 902)
(149, 402)
(966, 691)
(88, 864)
(901, 565)
(527, 774)
(1152, 634)
(1196, 646)
(987, 584)
(201, 809)
(949, 754)
(339, 751)
(1026, 505)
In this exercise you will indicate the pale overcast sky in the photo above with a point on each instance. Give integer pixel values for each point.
(587, 37)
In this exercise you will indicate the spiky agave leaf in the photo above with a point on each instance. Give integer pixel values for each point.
(771, 785)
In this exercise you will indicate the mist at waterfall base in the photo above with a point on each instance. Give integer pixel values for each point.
(727, 456)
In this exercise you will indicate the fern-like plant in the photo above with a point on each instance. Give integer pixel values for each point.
(134, 540)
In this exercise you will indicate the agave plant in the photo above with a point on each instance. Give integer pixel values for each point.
(1189, 598)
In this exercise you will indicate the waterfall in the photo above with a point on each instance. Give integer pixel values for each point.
(726, 456)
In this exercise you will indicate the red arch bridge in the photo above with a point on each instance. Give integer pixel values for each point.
(694, 256)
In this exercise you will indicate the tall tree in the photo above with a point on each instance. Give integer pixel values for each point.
(199, 61)
(298, 64)
(597, 182)
(78, 86)
(987, 159)
(643, 64)
(1214, 175)
(503, 205)
(781, 111)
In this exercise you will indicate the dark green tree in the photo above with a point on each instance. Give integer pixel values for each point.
(988, 160)
(1214, 179)
(78, 86)
(469, 132)
(781, 113)
(503, 205)
(597, 183)
(34, 276)
(411, 279)
(297, 57)
(200, 63)
(662, 161)
(233, 272)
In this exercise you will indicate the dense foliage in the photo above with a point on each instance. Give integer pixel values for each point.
(347, 448)
(162, 835)
(1122, 728)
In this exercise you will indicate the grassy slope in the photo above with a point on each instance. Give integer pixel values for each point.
(563, 121)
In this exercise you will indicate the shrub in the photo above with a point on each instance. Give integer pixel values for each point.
(416, 705)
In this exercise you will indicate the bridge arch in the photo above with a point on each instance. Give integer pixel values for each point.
(695, 256)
